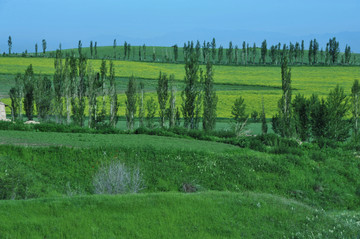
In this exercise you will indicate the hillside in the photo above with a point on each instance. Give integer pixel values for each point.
(172, 215)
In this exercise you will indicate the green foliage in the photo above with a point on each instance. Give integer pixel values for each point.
(338, 107)
(131, 103)
(162, 91)
(210, 99)
(151, 108)
(29, 84)
(191, 92)
(301, 114)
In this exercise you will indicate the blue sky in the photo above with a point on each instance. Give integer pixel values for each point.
(163, 22)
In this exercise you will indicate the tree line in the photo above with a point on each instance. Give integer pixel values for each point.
(246, 54)
(76, 84)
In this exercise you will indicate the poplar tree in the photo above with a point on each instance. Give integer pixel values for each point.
(337, 105)
(114, 48)
(355, 96)
(263, 51)
(285, 101)
(172, 102)
(10, 44)
(29, 85)
(176, 52)
(239, 115)
(80, 48)
(213, 49)
(95, 49)
(334, 50)
(302, 51)
(114, 104)
(92, 93)
(141, 104)
(254, 53)
(220, 54)
(68, 89)
(310, 53)
(243, 55)
(162, 90)
(347, 54)
(297, 52)
(91, 49)
(236, 59)
(301, 115)
(229, 53)
(144, 52)
(43, 98)
(125, 50)
(44, 46)
(36, 49)
(210, 99)
(103, 80)
(130, 103)
(190, 93)
(315, 51)
(14, 95)
(59, 86)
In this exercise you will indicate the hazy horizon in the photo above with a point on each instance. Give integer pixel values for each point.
(166, 23)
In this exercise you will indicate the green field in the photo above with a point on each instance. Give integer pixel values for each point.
(307, 192)
(171, 215)
(252, 82)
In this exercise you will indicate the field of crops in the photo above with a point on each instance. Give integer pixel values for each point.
(252, 82)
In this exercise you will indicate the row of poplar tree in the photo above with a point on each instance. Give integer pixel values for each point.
(232, 55)
(316, 118)
(76, 85)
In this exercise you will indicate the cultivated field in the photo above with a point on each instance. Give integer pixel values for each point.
(251, 82)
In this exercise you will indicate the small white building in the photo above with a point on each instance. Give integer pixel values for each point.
(2, 111)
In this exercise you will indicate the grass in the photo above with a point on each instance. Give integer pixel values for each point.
(113, 141)
(170, 215)
(320, 177)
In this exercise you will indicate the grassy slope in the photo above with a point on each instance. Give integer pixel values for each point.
(322, 177)
(110, 141)
(170, 215)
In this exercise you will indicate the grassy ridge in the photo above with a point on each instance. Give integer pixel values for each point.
(321, 177)
(170, 215)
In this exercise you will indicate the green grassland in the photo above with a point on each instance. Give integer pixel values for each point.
(309, 193)
(171, 215)
(251, 82)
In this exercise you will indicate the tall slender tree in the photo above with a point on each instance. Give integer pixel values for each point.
(44, 46)
(141, 104)
(213, 49)
(91, 49)
(285, 101)
(36, 49)
(210, 99)
(114, 104)
(263, 51)
(162, 90)
(355, 96)
(334, 50)
(29, 85)
(190, 93)
(130, 103)
(10, 44)
(172, 102)
(114, 48)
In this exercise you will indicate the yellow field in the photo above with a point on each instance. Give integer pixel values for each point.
(305, 80)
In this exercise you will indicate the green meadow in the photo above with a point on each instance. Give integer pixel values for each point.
(251, 82)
